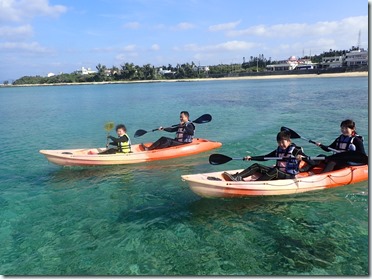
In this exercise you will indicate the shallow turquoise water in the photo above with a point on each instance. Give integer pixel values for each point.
(143, 219)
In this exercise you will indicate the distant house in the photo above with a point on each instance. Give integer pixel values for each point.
(50, 74)
(201, 68)
(165, 72)
(85, 71)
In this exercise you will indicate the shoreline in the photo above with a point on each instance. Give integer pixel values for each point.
(332, 75)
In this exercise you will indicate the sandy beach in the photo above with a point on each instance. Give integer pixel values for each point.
(332, 75)
(349, 74)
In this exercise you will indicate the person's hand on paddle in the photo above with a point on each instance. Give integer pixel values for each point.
(300, 157)
(247, 158)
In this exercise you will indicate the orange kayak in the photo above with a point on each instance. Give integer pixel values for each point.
(213, 185)
(91, 156)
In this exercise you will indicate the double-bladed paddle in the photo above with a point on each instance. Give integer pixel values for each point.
(344, 157)
(205, 118)
(218, 159)
(294, 135)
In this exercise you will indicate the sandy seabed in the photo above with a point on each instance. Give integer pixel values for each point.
(348, 74)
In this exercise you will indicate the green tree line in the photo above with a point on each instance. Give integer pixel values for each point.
(131, 72)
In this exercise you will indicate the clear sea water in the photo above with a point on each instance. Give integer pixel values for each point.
(143, 219)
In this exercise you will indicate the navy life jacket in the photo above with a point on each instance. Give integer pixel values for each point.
(291, 165)
(181, 136)
(345, 143)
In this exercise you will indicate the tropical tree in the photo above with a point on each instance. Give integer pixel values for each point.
(127, 71)
(148, 72)
(101, 73)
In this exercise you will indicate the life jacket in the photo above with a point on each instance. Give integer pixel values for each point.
(345, 143)
(181, 136)
(290, 165)
(124, 146)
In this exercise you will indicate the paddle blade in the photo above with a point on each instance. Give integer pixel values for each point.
(205, 118)
(218, 159)
(139, 133)
(294, 135)
(109, 126)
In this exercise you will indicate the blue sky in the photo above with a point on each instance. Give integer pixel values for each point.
(42, 36)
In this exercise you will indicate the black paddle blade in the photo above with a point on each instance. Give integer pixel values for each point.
(205, 118)
(294, 135)
(139, 133)
(218, 159)
(350, 156)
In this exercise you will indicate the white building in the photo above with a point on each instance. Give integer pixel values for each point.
(292, 63)
(332, 61)
(165, 72)
(284, 65)
(85, 71)
(357, 57)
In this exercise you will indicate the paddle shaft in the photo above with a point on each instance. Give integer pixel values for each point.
(259, 158)
(296, 135)
(217, 159)
(329, 148)
(108, 127)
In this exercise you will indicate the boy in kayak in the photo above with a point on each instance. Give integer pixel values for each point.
(122, 142)
(184, 133)
(346, 144)
(284, 169)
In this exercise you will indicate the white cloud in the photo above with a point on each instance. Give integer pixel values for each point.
(132, 25)
(127, 52)
(235, 45)
(184, 26)
(104, 49)
(126, 57)
(23, 10)
(325, 28)
(129, 48)
(16, 32)
(32, 47)
(224, 26)
(155, 47)
(226, 46)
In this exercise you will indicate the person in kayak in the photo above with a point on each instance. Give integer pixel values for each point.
(284, 169)
(122, 143)
(184, 133)
(348, 141)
